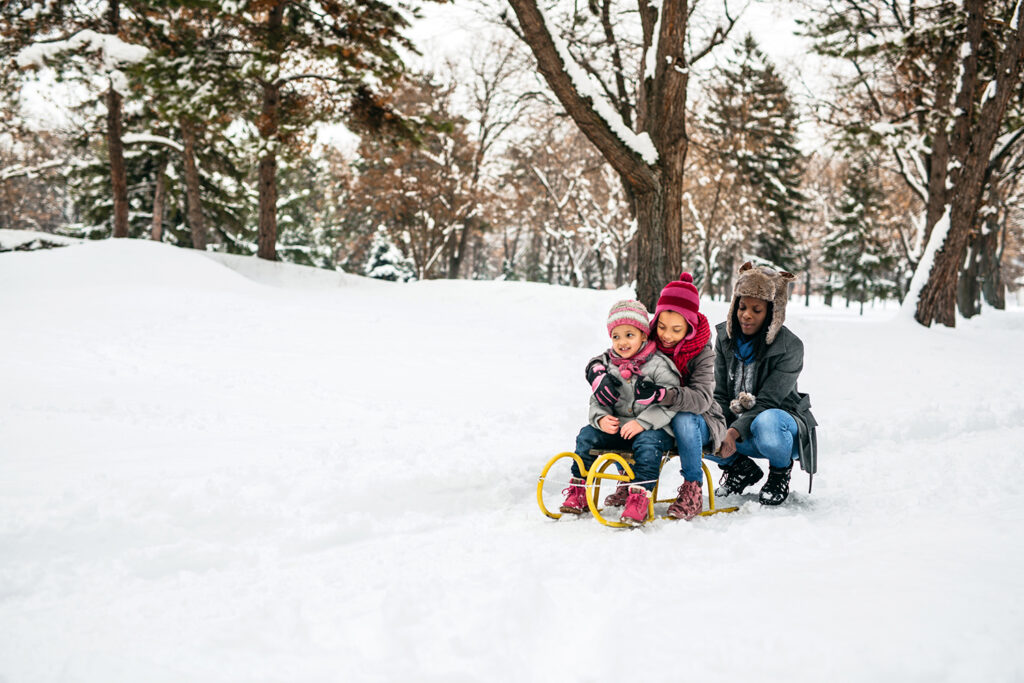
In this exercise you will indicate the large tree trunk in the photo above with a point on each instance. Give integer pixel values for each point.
(115, 145)
(656, 188)
(157, 231)
(972, 142)
(196, 222)
(268, 127)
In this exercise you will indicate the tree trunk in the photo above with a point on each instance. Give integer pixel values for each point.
(971, 145)
(968, 286)
(993, 288)
(115, 145)
(196, 222)
(268, 127)
(157, 231)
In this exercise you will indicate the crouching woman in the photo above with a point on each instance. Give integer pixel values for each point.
(757, 363)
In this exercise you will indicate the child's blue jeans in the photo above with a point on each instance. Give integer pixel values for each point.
(691, 434)
(775, 438)
(648, 446)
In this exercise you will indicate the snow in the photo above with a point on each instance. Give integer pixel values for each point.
(215, 468)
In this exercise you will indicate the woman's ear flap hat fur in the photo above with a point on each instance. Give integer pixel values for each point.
(762, 282)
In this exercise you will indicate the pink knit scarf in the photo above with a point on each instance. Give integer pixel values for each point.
(631, 366)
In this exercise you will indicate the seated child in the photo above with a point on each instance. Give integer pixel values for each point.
(683, 334)
(627, 424)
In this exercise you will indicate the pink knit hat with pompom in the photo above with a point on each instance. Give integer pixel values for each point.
(629, 312)
(680, 296)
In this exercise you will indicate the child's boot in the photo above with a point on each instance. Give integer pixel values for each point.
(739, 475)
(576, 497)
(618, 498)
(635, 513)
(688, 503)
(776, 489)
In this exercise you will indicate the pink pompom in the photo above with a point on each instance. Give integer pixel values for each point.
(686, 277)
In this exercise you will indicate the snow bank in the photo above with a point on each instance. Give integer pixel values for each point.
(217, 469)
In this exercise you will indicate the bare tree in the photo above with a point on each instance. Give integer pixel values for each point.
(647, 154)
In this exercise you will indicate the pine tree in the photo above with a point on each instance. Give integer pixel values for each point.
(752, 123)
(853, 252)
(386, 261)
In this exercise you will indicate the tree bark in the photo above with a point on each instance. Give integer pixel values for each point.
(268, 126)
(993, 289)
(196, 222)
(157, 231)
(968, 286)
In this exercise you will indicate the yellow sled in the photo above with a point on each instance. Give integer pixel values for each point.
(599, 472)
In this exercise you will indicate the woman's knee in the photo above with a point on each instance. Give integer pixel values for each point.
(772, 427)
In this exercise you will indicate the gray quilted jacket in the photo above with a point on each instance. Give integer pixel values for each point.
(660, 370)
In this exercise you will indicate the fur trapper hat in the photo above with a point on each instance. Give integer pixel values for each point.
(762, 282)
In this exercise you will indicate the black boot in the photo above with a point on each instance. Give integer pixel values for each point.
(776, 489)
(739, 475)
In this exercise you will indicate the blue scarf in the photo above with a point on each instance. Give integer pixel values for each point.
(744, 348)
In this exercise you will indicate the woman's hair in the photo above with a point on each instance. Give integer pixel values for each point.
(760, 338)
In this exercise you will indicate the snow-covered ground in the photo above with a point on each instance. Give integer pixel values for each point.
(217, 469)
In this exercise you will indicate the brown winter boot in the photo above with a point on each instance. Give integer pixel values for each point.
(688, 503)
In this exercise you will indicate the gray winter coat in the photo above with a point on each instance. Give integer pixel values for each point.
(697, 395)
(774, 387)
(658, 369)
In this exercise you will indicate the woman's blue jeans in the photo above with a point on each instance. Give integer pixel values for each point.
(691, 434)
(775, 438)
(648, 446)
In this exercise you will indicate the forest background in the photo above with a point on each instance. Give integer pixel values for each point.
(835, 139)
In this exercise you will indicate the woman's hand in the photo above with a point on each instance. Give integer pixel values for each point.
(609, 424)
(728, 443)
(631, 429)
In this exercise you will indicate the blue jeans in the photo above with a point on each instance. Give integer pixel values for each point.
(691, 434)
(648, 446)
(775, 438)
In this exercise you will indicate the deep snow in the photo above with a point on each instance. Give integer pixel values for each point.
(217, 469)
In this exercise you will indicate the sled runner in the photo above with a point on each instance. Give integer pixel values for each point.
(599, 471)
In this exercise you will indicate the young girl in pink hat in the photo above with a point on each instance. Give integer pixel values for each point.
(681, 332)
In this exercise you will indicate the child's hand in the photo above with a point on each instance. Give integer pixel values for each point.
(631, 429)
(609, 424)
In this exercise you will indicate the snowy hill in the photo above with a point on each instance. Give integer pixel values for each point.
(218, 469)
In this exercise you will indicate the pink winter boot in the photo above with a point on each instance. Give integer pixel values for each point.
(688, 503)
(636, 506)
(576, 497)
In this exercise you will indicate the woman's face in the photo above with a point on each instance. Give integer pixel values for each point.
(627, 340)
(751, 312)
(671, 328)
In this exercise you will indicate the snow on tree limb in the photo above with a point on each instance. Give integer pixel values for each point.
(131, 138)
(113, 52)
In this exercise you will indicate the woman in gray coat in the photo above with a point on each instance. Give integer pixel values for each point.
(757, 363)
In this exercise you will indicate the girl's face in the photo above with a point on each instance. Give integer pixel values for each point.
(751, 312)
(627, 340)
(672, 328)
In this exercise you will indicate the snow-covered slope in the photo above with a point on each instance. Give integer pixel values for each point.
(217, 469)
